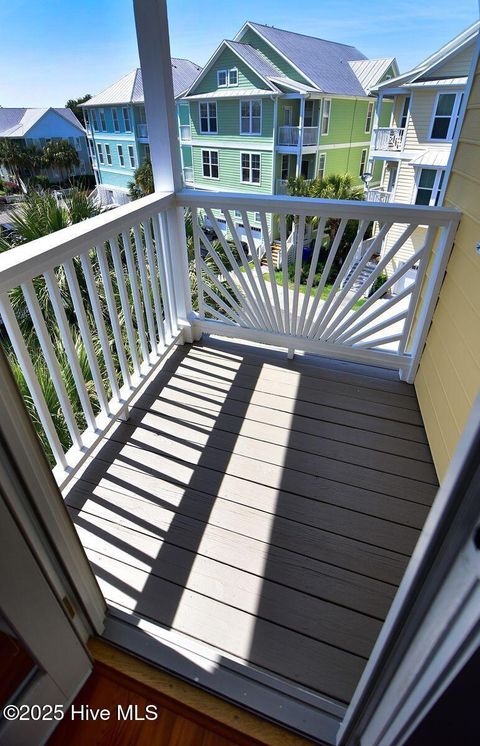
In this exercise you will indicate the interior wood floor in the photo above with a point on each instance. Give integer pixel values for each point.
(263, 506)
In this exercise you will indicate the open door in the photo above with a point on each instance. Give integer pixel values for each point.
(433, 627)
(50, 603)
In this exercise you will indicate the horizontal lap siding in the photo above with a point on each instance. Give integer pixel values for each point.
(449, 376)
(229, 171)
(347, 122)
(456, 66)
(227, 60)
(228, 123)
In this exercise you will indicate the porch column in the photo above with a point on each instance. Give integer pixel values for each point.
(301, 120)
(151, 22)
(376, 119)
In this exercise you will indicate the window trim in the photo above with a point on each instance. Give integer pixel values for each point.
(210, 150)
(121, 156)
(132, 156)
(115, 120)
(285, 155)
(209, 131)
(320, 156)
(231, 70)
(250, 101)
(108, 154)
(363, 162)
(369, 117)
(94, 120)
(437, 184)
(129, 128)
(405, 114)
(103, 121)
(101, 157)
(453, 118)
(325, 100)
(222, 85)
(250, 154)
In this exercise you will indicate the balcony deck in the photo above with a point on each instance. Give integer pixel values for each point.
(265, 507)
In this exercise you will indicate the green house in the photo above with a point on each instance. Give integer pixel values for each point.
(272, 104)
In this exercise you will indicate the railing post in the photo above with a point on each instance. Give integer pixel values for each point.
(300, 136)
(154, 50)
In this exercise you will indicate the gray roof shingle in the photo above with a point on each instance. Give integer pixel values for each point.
(325, 63)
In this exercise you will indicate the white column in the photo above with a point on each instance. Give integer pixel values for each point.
(376, 119)
(301, 120)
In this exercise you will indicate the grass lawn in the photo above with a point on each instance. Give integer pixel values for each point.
(303, 288)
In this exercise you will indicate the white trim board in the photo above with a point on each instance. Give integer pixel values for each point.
(254, 145)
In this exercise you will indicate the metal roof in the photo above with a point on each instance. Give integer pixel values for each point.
(129, 89)
(17, 122)
(441, 82)
(436, 158)
(323, 63)
(369, 72)
(232, 93)
(256, 60)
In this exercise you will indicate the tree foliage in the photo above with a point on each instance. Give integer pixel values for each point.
(74, 105)
(143, 181)
(60, 155)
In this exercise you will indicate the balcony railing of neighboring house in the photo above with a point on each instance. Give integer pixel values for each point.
(185, 133)
(288, 135)
(125, 279)
(389, 138)
(188, 175)
(142, 130)
(378, 195)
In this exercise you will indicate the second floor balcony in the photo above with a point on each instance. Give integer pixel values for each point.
(389, 138)
(378, 195)
(290, 136)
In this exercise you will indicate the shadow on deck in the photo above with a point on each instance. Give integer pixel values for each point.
(264, 507)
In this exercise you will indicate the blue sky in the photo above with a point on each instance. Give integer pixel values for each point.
(53, 50)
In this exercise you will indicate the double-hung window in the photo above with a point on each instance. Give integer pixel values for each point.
(208, 117)
(250, 168)
(101, 157)
(322, 159)
(86, 118)
(210, 164)
(250, 117)
(121, 157)
(233, 76)
(327, 105)
(363, 161)
(227, 77)
(429, 186)
(116, 123)
(108, 154)
(131, 156)
(222, 78)
(309, 111)
(103, 123)
(126, 119)
(368, 120)
(446, 115)
(94, 120)
(405, 110)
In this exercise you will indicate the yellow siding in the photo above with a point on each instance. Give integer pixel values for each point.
(457, 66)
(448, 379)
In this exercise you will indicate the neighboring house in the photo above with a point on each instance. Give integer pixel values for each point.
(38, 126)
(117, 129)
(415, 147)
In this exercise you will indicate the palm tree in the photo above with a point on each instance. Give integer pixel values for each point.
(75, 105)
(59, 154)
(143, 181)
(11, 158)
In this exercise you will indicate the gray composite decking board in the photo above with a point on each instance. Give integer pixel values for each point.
(311, 663)
(287, 607)
(164, 415)
(264, 506)
(199, 361)
(195, 410)
(289, 568)
(207, 394)
(317, 364)
(351, 554)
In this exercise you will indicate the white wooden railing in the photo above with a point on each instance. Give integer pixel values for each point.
(288, 135)
(185, 133)
(188, 176)
(90, 311)
(378, 195)
(310, 135)
(389, 138)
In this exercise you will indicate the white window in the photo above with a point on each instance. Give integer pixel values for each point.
(121, 157)
(256, 217)
(131, 156)
(103, 124)
(363, 161)
(285, 169)
(287, 116)
(429, 184)
(208, 117)
(309, 111)
(250, 117)
(445, 116)
(100, 153)
(237, 214)
(221, 78)
(322, 159)
(405, 110)
(109, 155)
(87, 120)
(210, 164)
(116, 123)
(233, 76)
(94, 120)
(78, 144)
(126, 119)
(327, 105)
(250, 168)
(368, 120)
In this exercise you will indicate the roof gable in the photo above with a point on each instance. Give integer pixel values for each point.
(17, 122)
(371, 72)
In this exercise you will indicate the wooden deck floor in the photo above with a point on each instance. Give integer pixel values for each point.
(263, 506)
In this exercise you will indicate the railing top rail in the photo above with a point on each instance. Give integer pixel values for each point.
(352, 209)
(32, 259)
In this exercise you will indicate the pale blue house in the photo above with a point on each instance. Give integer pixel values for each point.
(117, 130)
(38, 126)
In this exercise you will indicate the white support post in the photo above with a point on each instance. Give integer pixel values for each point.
(376, 119)
(154, 49)
(301, 120)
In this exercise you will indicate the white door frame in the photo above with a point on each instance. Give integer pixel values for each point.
(433, 626)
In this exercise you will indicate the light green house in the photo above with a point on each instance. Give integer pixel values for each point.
(274, 104)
